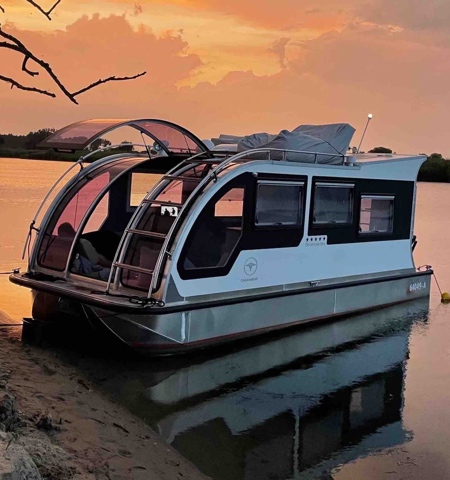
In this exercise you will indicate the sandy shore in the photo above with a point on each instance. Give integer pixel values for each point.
(68, 428)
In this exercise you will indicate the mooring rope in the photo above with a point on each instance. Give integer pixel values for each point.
(15, 270)
(445, 296)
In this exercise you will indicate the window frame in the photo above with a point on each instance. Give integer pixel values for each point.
(240, 181)
(333, 224)
(300, 211)
(378, 196)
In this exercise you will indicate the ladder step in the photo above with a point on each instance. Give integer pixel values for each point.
(181, 177)
(208, 161)
(164, 204)
(133, 268)
(145, 233)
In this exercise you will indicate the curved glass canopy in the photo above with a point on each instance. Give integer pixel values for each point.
(171, 138)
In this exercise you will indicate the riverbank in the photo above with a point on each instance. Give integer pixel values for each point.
(56, 425)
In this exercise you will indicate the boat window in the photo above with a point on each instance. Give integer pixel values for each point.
(141, 183)
(178, 190)
(376, 214)
(58, 238)
(231, 204)
(216, 231)
(333, 203)
(278, 204)
(96, 247)
(99, 215)
(166, 135)
(158, 218)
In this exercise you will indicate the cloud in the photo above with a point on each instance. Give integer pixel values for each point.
(398, 75)
(279, 48)
(284, 14)
(376, 58)
(412, 14)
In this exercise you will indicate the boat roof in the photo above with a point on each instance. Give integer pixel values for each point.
(170, 137)
(383, 157)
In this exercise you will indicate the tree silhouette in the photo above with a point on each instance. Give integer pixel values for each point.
(35, 138)
(126, 146)
(380, 150)
(14, 44)
(100, 142)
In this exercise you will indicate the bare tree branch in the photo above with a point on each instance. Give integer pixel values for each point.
(105, 80)
(25, 69)
(16, 45)
(20, 47)
(22, 87)
(46, 13)
(54, 6)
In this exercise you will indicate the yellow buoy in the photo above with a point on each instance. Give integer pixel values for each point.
(445, 297)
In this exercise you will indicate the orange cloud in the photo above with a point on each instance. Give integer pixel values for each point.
(413, 14)
(284, 14)
(339, 76)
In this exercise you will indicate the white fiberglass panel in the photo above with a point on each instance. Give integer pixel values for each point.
(315, 262)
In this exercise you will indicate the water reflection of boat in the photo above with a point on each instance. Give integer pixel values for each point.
(182, 380)
(292, 407)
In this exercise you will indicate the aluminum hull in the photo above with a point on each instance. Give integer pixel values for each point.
(178, 328)
(182, 330)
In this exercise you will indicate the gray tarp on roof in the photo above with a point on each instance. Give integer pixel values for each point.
(333, 139)
(224, 139)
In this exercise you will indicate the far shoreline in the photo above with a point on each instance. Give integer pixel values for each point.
(436, 169)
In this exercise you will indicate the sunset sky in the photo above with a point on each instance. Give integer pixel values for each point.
(240, 66)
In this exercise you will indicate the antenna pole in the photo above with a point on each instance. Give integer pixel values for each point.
(369, 118)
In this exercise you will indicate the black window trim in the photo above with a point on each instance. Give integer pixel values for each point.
(378, 196)
(301, 200)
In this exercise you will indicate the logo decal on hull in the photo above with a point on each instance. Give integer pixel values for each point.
(250, 266)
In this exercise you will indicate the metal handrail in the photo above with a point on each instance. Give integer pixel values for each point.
(269, 151)
(41, 206)
(111, 147)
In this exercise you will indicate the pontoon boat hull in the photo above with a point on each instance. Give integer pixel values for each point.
(170, 330)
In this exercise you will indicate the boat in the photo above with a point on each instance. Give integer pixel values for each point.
(240, 236)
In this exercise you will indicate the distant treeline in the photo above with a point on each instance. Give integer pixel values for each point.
(29, 141)
(25, 146)
(435, 169)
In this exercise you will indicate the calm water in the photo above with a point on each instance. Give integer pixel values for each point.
(366, 397)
